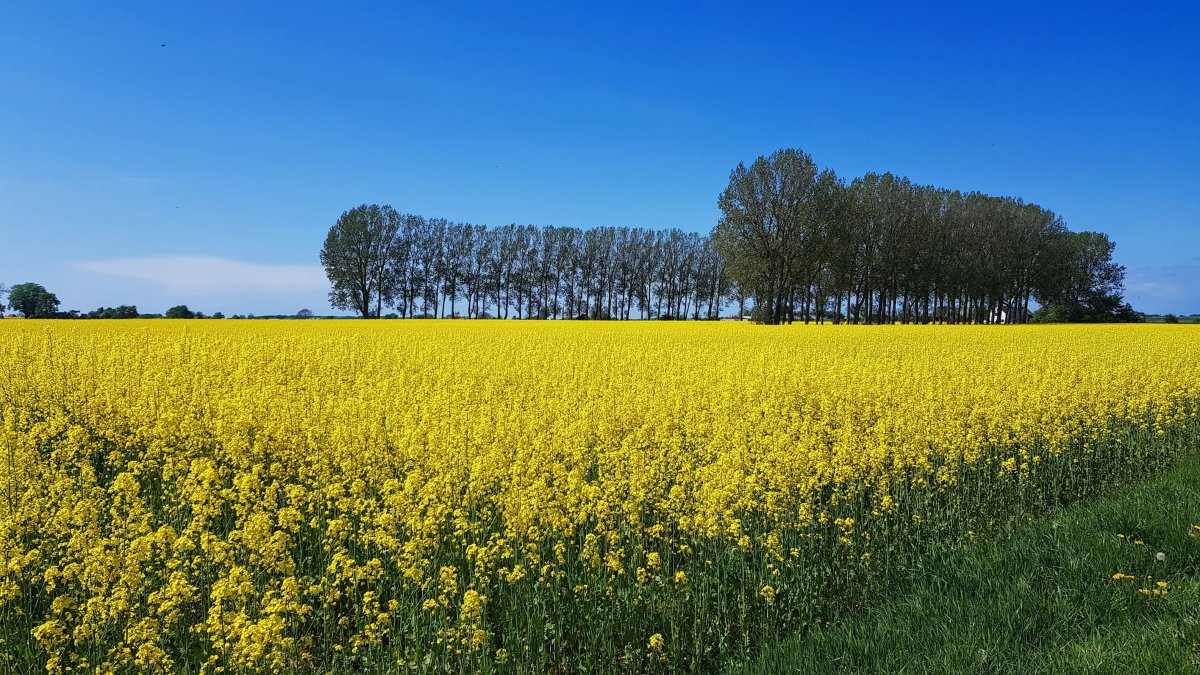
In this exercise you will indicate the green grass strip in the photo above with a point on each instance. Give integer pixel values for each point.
(1039, 600)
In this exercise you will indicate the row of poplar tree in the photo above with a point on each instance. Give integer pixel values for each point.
(378, 260)
(794, 242)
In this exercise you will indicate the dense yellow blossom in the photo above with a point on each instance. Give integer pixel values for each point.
(282, 496)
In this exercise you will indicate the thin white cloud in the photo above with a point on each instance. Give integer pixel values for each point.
(187, 274)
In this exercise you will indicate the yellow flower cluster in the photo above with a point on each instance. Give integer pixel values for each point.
(282, 496)
(1158, 590)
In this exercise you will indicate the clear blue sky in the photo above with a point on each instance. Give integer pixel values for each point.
(132, 172)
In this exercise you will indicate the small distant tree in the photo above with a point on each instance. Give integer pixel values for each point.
(32, 300)
(304, 314)
(218, 315)
(180, 312)
(3, 292)
(1170, 318)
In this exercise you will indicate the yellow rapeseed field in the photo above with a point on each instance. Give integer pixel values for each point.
(227, 496)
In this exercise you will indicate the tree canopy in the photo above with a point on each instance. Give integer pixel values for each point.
(360, 261)
(1085, 284)
(794, 240)
(776, 217)
(433, 265)
(32, 300)
(119, 312)
(881, 249)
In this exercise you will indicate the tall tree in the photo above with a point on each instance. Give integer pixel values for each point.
(359, 259)
(1083, 283)
(768, 231)
(32, 300)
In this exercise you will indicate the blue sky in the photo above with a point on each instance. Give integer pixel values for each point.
(207, 171)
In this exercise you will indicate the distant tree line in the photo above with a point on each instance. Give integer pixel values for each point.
(33, 300)
(794, 242)
(1174, 318)
(121, 312)
(377, 258)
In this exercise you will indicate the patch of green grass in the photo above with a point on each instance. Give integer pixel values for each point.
(1041, 600)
